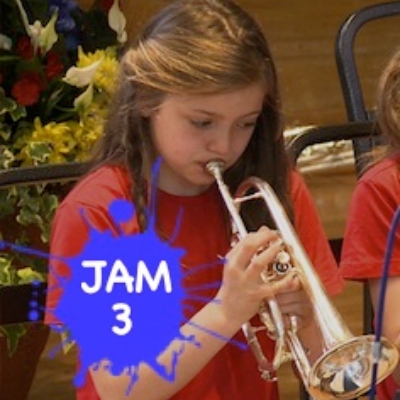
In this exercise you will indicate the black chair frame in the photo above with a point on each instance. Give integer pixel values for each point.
(349, 74)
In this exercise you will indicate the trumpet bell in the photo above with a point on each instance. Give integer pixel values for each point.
(345, 371)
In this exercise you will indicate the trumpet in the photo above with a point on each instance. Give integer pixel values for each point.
(344, 370)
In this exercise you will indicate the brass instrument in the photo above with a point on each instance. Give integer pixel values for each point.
(345, 368)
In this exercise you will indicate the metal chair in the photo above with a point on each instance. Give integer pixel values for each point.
(345, 55)
(41, 174)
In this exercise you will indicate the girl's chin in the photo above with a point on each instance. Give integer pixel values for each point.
(199, 186)
(187, 187)
(205, 179)
(201, 183)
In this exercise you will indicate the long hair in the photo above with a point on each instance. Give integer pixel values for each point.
(388, 103)
(196, 47)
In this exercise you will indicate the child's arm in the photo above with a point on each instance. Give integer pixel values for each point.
(238, 300)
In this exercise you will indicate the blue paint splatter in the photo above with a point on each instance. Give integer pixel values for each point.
(34, 306)
(136, 308)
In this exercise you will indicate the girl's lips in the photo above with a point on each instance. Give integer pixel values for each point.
(204, 164)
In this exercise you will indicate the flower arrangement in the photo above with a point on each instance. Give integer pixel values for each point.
(58, 67)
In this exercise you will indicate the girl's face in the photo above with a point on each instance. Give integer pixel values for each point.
(190, 130)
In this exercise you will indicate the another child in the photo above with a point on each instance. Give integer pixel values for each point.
(373, 204)
(199, 84)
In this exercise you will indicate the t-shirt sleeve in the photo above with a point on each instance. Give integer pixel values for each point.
(313, 237)
(84, 208)
(70, 233)
(370, 215)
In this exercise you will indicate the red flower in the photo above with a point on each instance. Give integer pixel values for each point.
(24, 48)
(27, 90)
(53, 67)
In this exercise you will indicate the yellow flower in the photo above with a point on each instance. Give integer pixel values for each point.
(50, 143)
(89, 130)
(98, 73)
(104, 78)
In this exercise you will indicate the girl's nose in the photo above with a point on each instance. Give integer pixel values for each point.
(220, 144)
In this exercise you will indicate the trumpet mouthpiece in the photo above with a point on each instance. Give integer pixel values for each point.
(215, 166)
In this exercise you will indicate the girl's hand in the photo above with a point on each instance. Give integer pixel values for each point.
(242, 288)
(295, 303)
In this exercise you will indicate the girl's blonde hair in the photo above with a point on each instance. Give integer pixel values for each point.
(388, 103)
(196, 47)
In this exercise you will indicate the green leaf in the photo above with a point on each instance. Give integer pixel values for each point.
(6, 104)
(28, 216)
(6, 157)
(7, 201)
(5, 131)
(18, 113)
(28, 275)
(7, 272)
(36, 264)
(39, 151)
(50, 203)
(13, 333)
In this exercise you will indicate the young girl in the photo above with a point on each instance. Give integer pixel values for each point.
(199, 84)
(373, 204)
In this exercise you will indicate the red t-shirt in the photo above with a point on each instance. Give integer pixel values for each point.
(372, 207)
(373, 204)
(232, 373)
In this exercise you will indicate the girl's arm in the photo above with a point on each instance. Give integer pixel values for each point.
(237, 301)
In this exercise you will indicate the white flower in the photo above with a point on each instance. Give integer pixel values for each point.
(81, 77)
(5, 42)
(43, 37)
(84, 100)
(48, 35)
(117, 22)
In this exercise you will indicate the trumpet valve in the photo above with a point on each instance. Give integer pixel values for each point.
(281, 264)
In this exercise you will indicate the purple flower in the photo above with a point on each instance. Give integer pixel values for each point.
(65, 23)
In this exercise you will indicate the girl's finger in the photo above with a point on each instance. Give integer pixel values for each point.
(263, 259)
(241, 255)
(290, 282)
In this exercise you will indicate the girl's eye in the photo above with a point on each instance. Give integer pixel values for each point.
(201, 124)
(247, 125)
